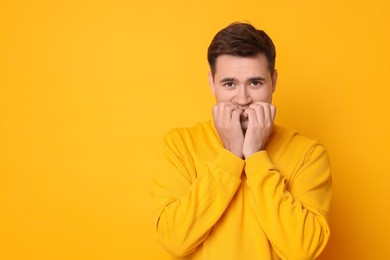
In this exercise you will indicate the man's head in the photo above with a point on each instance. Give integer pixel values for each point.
(242, 64)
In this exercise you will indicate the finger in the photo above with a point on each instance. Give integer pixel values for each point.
(227, 114)
(222, 111)
(252, 117)
(273, 112)
(219, 114)
(260, 113)
(244, 114)
(267, 113)
(269, 110)
(215, 111)
(236, 115)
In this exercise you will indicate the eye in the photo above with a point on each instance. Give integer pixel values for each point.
(228, 84)
(256, 83)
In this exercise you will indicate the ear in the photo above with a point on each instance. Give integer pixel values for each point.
(274, 80)
(211, 82)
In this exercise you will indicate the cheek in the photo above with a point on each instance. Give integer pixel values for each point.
(224, 96)
(262, 96)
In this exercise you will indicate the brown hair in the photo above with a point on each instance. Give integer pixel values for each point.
(244, 40)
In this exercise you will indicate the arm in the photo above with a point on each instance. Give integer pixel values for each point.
(188, 203)
(295, 218)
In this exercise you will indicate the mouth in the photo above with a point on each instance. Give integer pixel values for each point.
(243, 116)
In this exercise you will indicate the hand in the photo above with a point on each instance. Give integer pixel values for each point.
(260, 122)
(227, 123)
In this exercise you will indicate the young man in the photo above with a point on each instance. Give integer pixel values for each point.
(240, 187)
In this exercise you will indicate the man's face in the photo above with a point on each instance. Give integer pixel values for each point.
(242, 81)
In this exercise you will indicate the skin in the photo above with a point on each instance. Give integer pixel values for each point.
(243, 114)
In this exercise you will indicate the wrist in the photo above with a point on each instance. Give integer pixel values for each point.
(238, 153)
(246, 155)
(250, 152)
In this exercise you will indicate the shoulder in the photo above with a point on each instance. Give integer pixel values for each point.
(199, 131)
(291, 152)
(289, 143)
(282, 136)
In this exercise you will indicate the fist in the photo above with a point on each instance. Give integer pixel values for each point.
(227, 123)
(260, 122)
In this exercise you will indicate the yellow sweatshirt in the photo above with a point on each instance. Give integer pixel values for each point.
(210, 204)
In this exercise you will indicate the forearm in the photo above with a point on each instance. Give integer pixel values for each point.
(295, 223)
(186, 219)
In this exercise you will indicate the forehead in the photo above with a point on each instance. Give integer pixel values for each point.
(229, 65)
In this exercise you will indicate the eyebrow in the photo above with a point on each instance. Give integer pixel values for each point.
(234, 79)
(256, 78)
(227, 80)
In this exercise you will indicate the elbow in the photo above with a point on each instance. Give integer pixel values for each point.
(174, 242)
(310, 248)
(177, 251)
(176, 247)
(304, 246)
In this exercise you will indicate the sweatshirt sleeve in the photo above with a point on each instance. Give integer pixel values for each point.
(187, 202)
(295, 218)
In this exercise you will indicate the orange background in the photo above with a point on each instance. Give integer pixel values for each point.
(88, 88)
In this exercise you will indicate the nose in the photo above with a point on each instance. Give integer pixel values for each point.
(242, 98)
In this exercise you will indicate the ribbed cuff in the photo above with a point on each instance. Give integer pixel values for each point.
(258, 162)
(229, 162)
